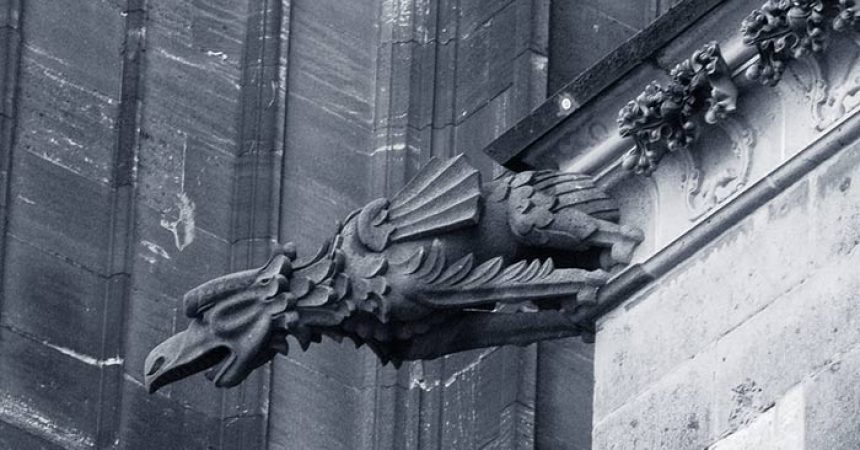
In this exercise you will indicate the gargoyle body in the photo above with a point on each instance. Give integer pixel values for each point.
(431, 271)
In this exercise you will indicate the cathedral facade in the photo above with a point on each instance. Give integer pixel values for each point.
(149, 146)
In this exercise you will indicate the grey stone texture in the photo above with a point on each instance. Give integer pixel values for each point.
(763, 318)
(148, 145)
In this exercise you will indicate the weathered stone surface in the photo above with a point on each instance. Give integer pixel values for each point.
(70, 87)
(584, 32)
(781, 426)
(720, 289)
(748, 327)
(12, 437)
(830, 412)
(44, 295)
(313, 422)
(177, 426)
(676, 413)
(565, 383)
(52, 384)
(59, 211)
(484, 61)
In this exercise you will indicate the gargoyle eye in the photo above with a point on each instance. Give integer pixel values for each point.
(265, 281)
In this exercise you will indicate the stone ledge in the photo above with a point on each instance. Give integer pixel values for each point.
(539, 126)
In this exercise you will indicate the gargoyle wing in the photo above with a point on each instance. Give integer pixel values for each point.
(461, 284)
(444, 196)
(554, 206)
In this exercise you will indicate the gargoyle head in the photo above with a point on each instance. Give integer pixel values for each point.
(238, 323)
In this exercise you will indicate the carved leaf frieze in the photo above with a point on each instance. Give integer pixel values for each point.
(784, 30)
(664, 119)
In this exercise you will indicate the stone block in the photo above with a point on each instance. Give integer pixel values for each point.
(674, 413)
(832, 413)
(13, 437)
(835, 211)
(323, 413)
(481, 127)
(704, 297)
(332, 58)
(485, 63)
(565, 384)
(584, 35)
(496, 394)
(43, 295)
(325, 145)
(179, 427)
(780, 427)
(477, 13)
(79, 45)
(244, 432)
(57, 385)
(445, 82)
(341, 362)
(208, 178)
(64, 123)
(59, 211)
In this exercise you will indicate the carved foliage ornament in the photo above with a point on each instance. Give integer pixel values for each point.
(431, 271)
(783, 30)
(663, 119)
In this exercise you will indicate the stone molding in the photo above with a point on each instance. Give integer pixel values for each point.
(638, 275)
(661, 119)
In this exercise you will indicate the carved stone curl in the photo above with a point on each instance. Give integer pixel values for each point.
(662, 119)
(783, 30)
(418, 276)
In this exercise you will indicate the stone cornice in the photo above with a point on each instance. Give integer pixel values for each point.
(542, 127)
(759, 52)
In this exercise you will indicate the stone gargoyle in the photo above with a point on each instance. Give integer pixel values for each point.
(418, 276)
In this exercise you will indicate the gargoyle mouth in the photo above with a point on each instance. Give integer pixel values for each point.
(183, 355)
(215, 360)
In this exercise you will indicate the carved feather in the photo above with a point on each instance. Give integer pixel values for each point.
(519, 282)
(462, 284)
(444, 196)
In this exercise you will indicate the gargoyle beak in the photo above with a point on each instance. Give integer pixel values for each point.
(185, 354)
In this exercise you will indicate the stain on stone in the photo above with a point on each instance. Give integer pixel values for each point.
(749, 402)
(845, 184)
(183, 227)
(692, 422)
(835, 366)
(21, 414)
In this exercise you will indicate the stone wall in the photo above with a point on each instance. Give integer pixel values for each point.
(119, 145)
(734, 327)
(374, 91)
(147, 146)
(752, 342)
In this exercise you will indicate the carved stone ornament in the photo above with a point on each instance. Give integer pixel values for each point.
(663, 119)
(429, 272)
(783, 30)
